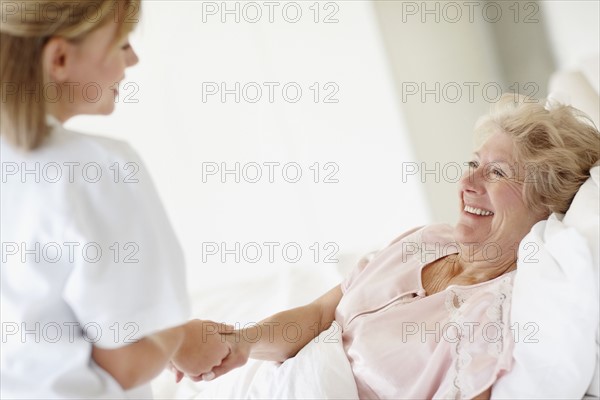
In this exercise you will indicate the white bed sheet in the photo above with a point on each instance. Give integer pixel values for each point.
(320, 370)
(239, 296)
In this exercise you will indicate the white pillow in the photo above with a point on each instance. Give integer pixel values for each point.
(584, 215)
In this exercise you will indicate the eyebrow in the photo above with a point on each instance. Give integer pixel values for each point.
(501, 161)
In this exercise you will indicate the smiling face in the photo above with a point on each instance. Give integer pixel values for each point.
(492, 205)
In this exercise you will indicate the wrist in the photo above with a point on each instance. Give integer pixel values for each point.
(250, 339)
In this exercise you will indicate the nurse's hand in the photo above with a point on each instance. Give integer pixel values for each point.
(202, 349)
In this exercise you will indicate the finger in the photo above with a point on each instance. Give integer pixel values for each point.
(175, 371)
(226, 328)
(178, 376)
(228, 364)
(209, 376)
(171, 368)
(197, 378)
(202, 376)
(222, 327)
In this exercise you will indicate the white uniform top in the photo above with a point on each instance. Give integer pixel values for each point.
(88, 257)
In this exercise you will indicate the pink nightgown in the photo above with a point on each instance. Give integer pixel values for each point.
(403, 344)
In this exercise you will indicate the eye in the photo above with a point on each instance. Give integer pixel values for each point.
(126, 46)
(498, 173)
(473, 164)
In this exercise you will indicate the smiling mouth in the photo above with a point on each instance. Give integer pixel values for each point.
(477, 211)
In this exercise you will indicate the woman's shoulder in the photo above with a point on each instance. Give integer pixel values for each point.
(76, 174)
(70, 149)
(71, 143)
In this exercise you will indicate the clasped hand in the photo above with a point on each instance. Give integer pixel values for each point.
(209, 350)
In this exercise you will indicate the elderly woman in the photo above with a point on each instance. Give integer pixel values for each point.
(428, 315)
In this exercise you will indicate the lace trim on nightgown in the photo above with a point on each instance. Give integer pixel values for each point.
(463, 342)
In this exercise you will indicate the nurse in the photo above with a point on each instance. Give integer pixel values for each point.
(93, 299)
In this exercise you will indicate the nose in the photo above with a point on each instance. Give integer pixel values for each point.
(473, 180)
(131, 58)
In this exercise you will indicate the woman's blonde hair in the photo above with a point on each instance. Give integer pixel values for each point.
(25, 28)
(556, 143)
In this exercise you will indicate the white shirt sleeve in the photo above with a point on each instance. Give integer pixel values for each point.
(128, 278)
(87, 249)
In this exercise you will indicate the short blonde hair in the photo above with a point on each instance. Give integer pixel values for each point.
(557, 144)
(25, 28)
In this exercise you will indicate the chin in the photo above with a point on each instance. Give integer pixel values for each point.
(98, 109)
(108, 109)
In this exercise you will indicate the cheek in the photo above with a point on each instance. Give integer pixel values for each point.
(509, 198)
(116, 62)
(108, 74)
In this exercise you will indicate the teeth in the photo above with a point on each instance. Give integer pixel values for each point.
(477, 211)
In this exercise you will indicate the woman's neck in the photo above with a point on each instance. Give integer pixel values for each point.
(475, 266)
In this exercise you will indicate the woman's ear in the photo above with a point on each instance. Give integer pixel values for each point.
(56, 57)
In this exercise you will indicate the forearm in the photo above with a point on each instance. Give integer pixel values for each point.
(282, 335)
(140, 362)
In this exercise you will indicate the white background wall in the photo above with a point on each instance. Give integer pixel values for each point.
(573, 30)
(363, 134)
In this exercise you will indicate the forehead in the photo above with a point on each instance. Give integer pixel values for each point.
(497, 147)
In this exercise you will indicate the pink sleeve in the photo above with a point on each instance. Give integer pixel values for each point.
(366, 259)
